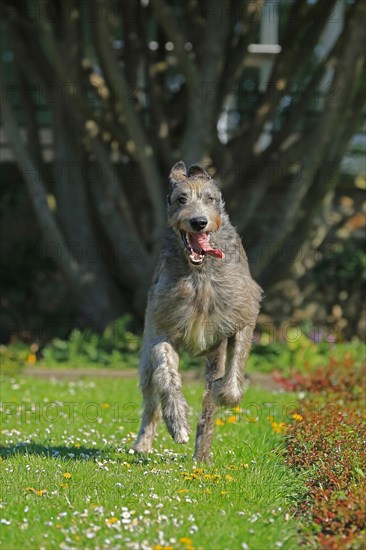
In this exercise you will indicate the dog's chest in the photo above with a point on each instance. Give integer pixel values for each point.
(191, 314)
(199, 321)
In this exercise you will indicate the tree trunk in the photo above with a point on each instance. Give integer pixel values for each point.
(140, 86)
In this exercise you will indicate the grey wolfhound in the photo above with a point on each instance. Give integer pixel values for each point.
(202, 298)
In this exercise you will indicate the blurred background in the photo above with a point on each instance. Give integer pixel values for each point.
(101, 98)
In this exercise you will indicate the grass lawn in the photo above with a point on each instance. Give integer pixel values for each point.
(69, 479)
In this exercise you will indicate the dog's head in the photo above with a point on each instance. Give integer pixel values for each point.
(195, 207)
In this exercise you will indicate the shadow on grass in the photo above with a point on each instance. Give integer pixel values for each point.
(60, 451)
(118, 454)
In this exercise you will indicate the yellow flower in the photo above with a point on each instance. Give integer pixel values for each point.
(64, 485)
(231, 419)
(236, 409)
(105, 405)
(229, 477)
(185, 540)
(112, 520)
(39, 492)
(245, 465)
(32, 358)
(278, 427)
(219, 422)
(208, 491)
(183, 491)
(298, 417)
(67, 475)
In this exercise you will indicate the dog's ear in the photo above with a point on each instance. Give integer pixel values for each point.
(199, 172)
(178, 173)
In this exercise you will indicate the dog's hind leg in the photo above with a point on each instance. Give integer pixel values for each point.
(205, 429)
(229, 389)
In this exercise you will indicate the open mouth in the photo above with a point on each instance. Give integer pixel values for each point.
(198, 245)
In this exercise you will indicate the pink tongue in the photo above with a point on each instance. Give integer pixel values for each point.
(199, 241)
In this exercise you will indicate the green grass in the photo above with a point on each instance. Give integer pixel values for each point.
(115, 499)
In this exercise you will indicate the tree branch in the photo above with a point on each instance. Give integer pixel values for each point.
(252, 198)
(286, 66)
(139, 147)
(38, 195)
(110, 202)
(75, 103)
(165, 16)
(155, 92)
(132, 48)
(345, 72)
(204, 108)
(237, 53)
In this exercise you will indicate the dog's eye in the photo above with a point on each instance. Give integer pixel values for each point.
(182, 199)
(210, 199)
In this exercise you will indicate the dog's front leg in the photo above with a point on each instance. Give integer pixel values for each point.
(168, 383)
(151, 412)
(160, 380)
(229, 389)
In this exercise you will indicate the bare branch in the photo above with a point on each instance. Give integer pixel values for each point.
(286, 67)
(165, 16)
(237, 53)
(110, 203)
(139, 146)
(344, 73)
(75, 102)
(155, 93)
(132, 48)
(28, 63)
(204, 107)
(273, 152)
(38, 196)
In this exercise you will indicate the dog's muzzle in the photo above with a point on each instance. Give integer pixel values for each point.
(198, 245)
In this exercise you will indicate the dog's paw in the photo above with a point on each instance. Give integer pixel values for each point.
(180, 435)
(202, 457)
(175, 414)
(142, 446)
(226, 395)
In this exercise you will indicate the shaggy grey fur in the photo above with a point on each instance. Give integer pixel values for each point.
(200, 301)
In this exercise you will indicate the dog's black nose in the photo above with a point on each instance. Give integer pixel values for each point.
(198, 223)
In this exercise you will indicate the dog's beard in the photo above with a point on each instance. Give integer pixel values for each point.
(198, 245)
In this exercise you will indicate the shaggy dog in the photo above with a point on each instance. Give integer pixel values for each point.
(202, 298)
